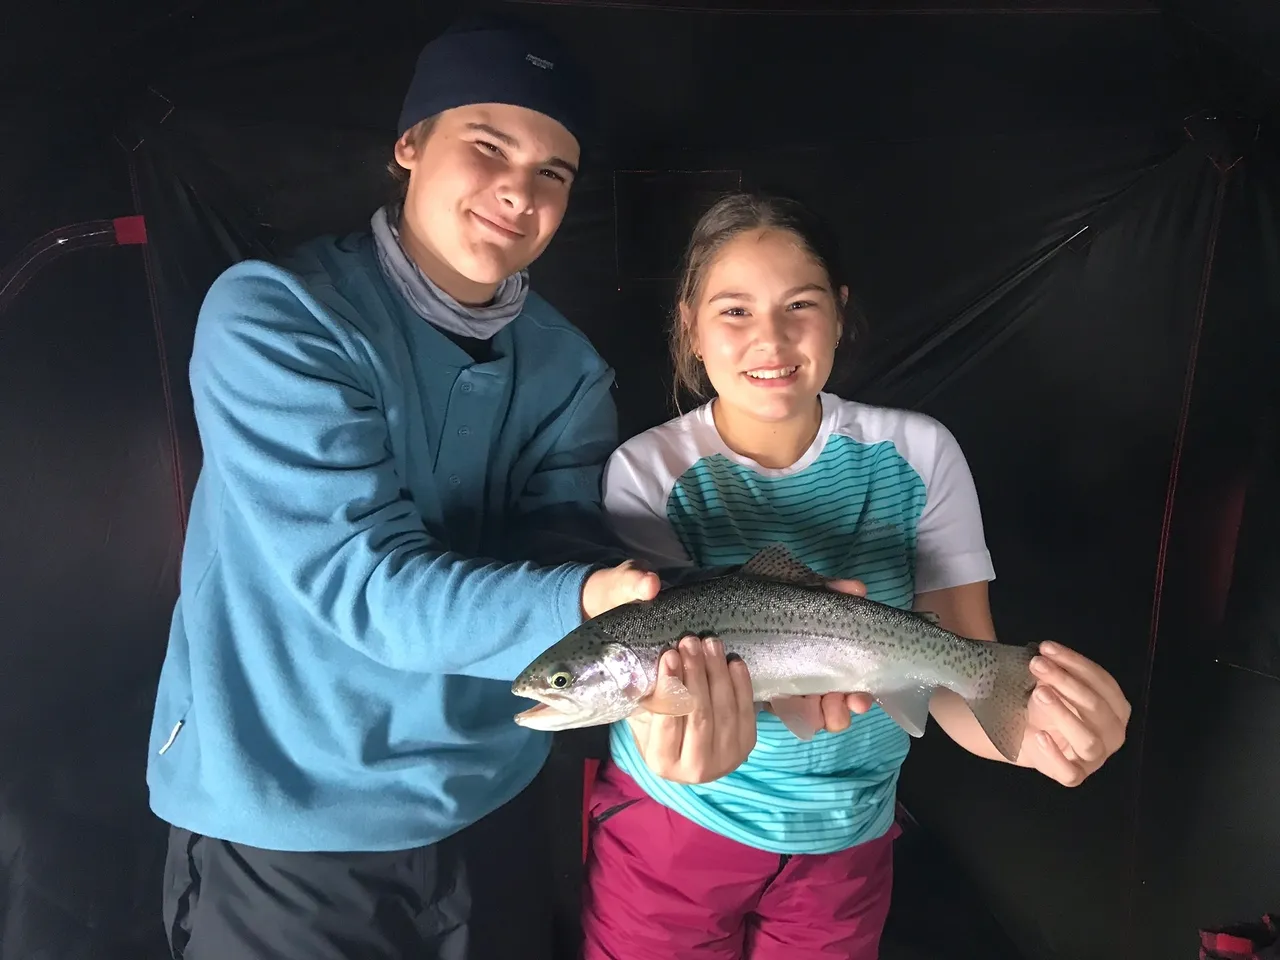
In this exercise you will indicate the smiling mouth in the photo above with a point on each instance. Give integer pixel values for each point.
(498, 228)
(773, 373)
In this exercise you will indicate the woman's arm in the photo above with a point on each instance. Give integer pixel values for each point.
(964, 610)
(1077, 715)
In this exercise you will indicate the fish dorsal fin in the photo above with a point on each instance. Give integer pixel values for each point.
(928, 615)
(776, 563)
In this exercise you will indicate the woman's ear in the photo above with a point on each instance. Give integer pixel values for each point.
(844, 296)
(687, 317)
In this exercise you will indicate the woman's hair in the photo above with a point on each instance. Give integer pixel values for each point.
(727, 219)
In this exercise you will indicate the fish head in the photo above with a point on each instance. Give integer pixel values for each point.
(585, 680)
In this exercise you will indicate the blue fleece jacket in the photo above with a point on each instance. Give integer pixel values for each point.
(383, 534)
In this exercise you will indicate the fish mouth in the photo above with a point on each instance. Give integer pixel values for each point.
(537, 716)
(551, 717)
(552, 712)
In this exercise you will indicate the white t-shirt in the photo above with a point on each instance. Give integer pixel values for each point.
(881, 495)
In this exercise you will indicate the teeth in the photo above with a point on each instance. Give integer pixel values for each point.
(771, 374)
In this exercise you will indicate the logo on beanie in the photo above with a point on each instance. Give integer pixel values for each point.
(539, 62)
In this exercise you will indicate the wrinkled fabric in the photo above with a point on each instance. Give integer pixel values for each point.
(430, 302)
(660, 887)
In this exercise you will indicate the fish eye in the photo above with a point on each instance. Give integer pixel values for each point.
(561, 679)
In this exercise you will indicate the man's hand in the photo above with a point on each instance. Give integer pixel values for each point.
(606, 589)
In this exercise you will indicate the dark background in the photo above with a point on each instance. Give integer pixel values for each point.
(1063, 225)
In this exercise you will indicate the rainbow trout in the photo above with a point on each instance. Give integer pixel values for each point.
(797, 636)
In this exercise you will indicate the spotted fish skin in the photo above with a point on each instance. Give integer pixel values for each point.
(797, 636)
(799, 639)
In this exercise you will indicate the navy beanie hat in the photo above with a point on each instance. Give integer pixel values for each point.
(500, 61)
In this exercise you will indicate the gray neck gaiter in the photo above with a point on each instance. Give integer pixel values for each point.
(429, 301)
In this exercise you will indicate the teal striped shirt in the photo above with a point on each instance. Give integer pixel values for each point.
(881, 495)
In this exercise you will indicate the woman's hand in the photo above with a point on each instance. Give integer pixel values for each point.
(1076, 718)
(717, 735)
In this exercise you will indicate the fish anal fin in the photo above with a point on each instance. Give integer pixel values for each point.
(776, 562)
(801, 715)
(909, 708)
(1003, 714)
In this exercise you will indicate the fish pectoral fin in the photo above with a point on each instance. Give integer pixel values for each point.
(909, 708)
(670, 698)
(777, 563)
(801, 715)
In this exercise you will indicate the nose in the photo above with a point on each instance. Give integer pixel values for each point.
(515, 192)
(773, 327)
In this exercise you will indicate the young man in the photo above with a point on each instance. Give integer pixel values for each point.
(398, 510)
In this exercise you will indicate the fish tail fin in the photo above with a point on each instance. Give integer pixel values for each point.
(1003, 714)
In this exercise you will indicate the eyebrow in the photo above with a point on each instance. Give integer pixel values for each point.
(738, 295)
(512, 142)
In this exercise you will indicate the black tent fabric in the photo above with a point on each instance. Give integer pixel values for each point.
(1063, 225)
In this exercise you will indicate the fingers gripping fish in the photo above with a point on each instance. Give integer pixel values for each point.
(797, 636)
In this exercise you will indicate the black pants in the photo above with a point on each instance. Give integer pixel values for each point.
(483, 894)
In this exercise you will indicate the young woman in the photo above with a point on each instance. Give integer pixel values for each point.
(790, 854)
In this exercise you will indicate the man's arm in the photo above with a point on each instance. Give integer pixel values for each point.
(570, 511)
(1070, 734)
(953, 570)
(302, 449)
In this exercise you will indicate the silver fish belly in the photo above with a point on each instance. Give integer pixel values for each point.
(797, 637)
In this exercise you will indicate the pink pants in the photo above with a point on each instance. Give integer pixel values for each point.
(660, 887)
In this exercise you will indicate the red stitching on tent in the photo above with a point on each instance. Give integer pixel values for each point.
(1138, 734)
(1218, 588)
(175, 453)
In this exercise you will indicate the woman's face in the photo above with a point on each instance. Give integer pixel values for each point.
(766, 324)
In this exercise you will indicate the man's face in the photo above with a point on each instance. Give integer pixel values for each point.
(488, 187)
